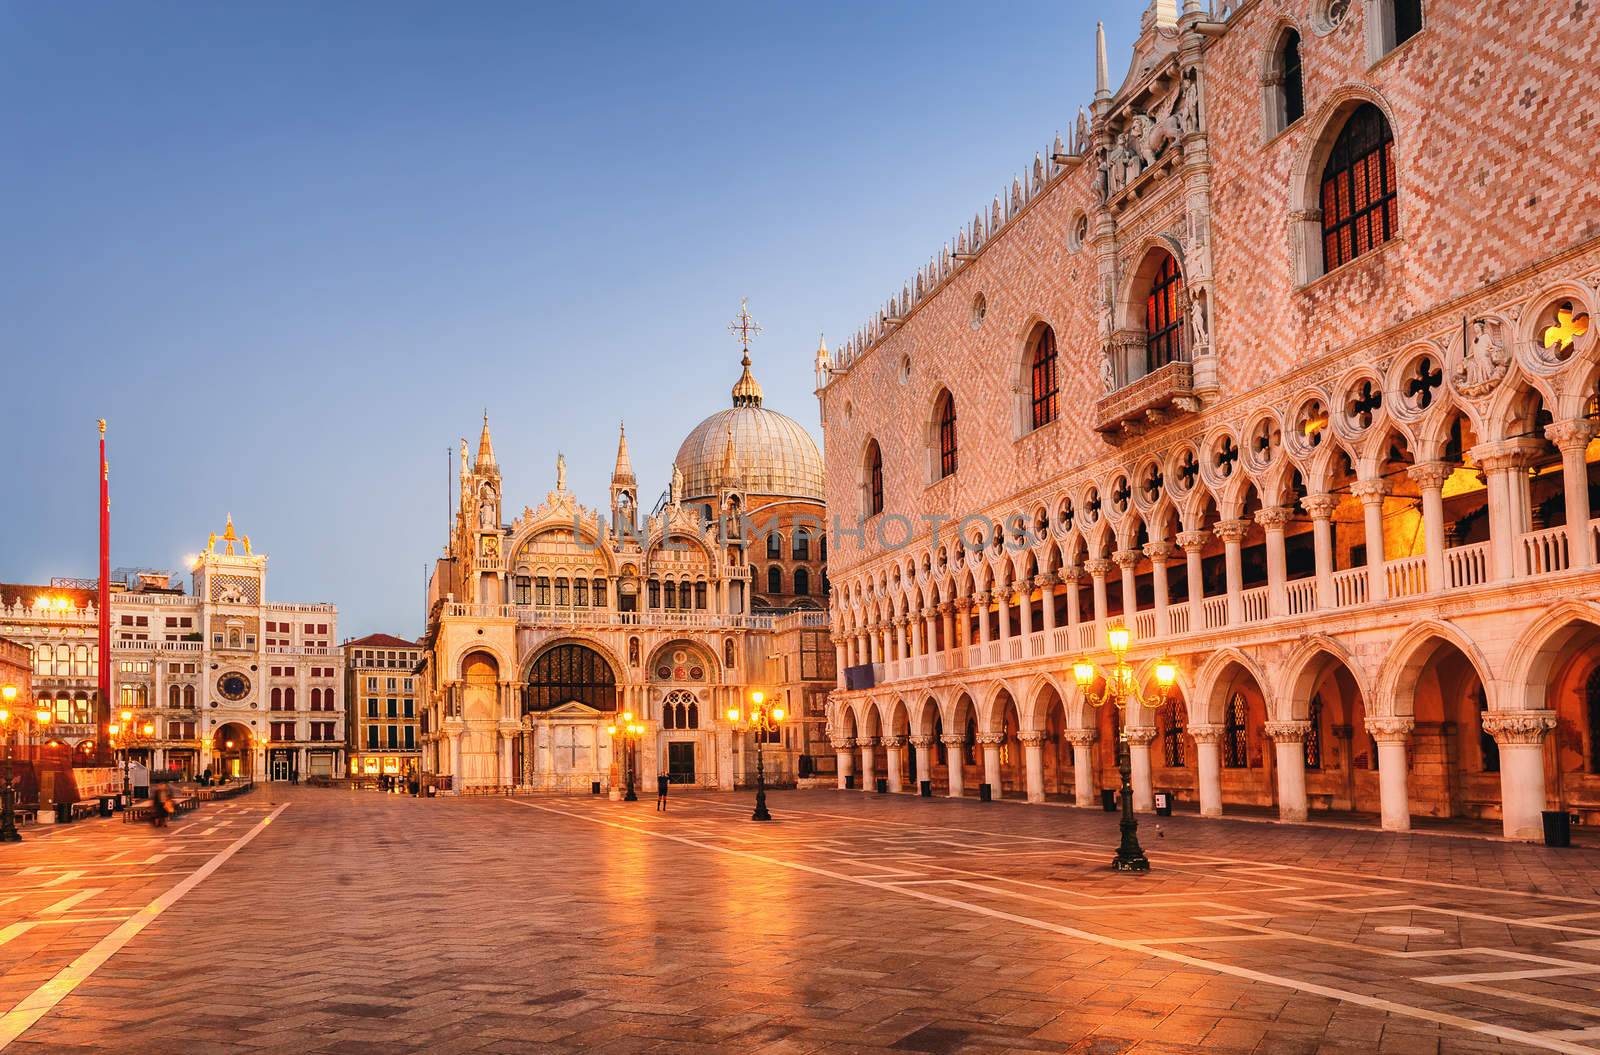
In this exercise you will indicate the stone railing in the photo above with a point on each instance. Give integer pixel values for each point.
(1546, 551)
(1467, 565)
(1148, 400)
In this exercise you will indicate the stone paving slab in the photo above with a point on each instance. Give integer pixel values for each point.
(356, 922)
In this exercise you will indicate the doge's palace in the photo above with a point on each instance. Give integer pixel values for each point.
(1282, 358)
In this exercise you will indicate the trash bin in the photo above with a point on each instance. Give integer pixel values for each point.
(850, 782)
(881, 785)
(1163, 803)
(1108, 800)
(63, 813)
(985, 793)
(1557, 828)
(926, 789)
(594, 787)
(106, 802)
(432, 791)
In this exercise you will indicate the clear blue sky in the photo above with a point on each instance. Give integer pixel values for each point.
(292, 250)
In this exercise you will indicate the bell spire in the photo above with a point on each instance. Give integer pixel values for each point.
(485, 446)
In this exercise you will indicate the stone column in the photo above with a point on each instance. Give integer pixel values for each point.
(1098, 569)
(963, 623)
(947, 612)
(990, 742)
(1128, 561)
(1391, 735)
(1289, 747)
(1429, 478)
(1520, 735)
(1082, 766)
(1273, 519)
(1025, 608)
(1321, 508)
(1231, 532)
(1138, 738)
(900, 649)
(915, 645)
(1002, 605)
(1072, 575)
(891, 748)
(924, 746)
(1208, 759)
(1047, 602)
(1159, 552)
(952, 749)
(1572, 440)
(1033, 757)
(1193, 542)
(1372, 493)
(867, 744)
(505, 776)
(1505, 464)
(841, 758)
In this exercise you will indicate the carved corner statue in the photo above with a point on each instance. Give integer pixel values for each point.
(561, 471)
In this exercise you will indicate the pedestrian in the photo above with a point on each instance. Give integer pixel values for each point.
(205, 778)
(661, 793)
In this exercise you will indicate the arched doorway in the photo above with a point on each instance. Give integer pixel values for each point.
(1341, 762)
(232, 752)
(480, 712)
(1238, 709)
(571, 694)
(686, 672)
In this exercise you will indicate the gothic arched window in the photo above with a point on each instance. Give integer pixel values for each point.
(276, 703)
(694, 715)
(874, 478)
(288, 698)
(1043, 372)
(1293, 91)
(1314, 734)
(1358, 188)
(947, 435)
(188, 695)
(1163, 315)
(1236, 733)
(800, 545)
(802, 582)
(774, 545)
(774, 579)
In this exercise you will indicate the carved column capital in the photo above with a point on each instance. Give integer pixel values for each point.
(1390, 730)
(924, 742)
(1498, 455)
(1320, 507)
(1231, 530)
(952, 740)
(866, 741)
(1071, 574)
(893, 741)
(1571, 435)
(1080, 737)
(1518, 727)
(843, 744)
(1206, 734)
(1139, 734)
(1193, 540)
(1127, 558)
(1371, 492)
(1430, 475)
(1097, 568)
(1274, 518)
(991, 739)
(1158, 552)
(1031, 738)
(1287, 732)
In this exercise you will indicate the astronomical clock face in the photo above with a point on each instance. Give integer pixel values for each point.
(233, 685)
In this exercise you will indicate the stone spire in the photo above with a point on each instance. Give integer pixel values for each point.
(485, 447)
(623, 473)
(1102, 77)
(730, 463)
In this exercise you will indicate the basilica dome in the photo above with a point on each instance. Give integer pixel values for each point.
(771, 453)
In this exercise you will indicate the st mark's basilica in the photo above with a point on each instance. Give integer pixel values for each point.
(545, 626)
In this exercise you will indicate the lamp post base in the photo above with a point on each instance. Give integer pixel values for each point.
(8, 818)
(1133, 863)
(629, 796)
(761, 813)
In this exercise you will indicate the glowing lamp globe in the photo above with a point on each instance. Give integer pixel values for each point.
(1083, 673)
(1120, 638)
(757, 696)
(733, 714)
(8, 693)
(777, 714)
(1166, 673)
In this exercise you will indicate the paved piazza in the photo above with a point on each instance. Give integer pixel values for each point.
(853, 923)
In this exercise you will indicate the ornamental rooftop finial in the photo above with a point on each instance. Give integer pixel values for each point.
(746, 390)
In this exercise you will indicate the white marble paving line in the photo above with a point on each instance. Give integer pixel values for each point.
(36, 1005)
(1490, 1029)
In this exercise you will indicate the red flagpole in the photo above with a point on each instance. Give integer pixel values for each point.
(102, 715)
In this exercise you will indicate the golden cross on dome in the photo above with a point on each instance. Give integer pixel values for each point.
(743, 326)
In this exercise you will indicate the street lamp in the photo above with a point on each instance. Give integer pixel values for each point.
(763, 721)
(630, 731)
(8, 795)
(1122, 691)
